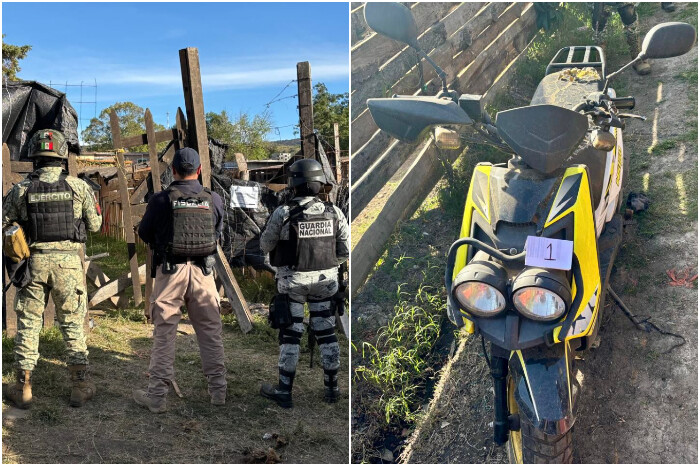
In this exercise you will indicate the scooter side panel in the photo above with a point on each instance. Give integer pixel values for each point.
(574, 197)
(477, 201)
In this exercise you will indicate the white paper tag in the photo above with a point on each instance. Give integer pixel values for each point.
(548, 253)
(245, 197)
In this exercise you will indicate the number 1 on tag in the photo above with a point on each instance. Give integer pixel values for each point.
(548, 253)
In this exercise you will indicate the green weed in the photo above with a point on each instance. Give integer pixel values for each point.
(397, 363)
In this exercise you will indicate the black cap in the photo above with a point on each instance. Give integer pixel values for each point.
(186, 159)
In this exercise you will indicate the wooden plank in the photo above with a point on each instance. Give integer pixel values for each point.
(6, 169)
(164, 164)
(72, 165)
(153, 151)
(233, 292)
(194, 104)
(381, 171)
(433, 39)
(149, 283)
(181, 127)
(141, 139)
(450, 37)
(306, 109)
(49, 312)
(462, 46)
(8, 297)
(129, 229)
(117, 285)
(363, 127)
(22, 167)
(421, 177)
(470, 79)
(367, 56)
(94, 273)
(507, 39)
(365, 156)
(484, 26)
(336, 156)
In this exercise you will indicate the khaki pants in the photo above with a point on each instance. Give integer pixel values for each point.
(190, 287)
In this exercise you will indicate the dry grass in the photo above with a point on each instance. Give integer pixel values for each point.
(113, 429)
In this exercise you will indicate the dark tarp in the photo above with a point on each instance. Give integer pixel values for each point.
(28, 106)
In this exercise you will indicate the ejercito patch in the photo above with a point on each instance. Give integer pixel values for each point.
(35, 198)
(316, 229)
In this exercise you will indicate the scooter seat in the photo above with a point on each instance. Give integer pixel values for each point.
(567, 88)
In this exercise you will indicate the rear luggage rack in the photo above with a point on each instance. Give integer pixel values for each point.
(579, 56)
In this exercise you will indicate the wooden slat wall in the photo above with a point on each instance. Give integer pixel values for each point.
(475, 43)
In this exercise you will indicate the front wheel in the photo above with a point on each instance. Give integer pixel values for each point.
(530, 445)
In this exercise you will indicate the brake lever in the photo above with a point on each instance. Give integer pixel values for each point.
(632, 115)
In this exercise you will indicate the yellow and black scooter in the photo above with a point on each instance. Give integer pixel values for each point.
(539, 233)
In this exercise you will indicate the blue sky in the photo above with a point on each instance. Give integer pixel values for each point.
(247, 52)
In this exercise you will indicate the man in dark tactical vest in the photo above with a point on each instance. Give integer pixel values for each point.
(307, 240)
(182, 224)
(54, 210)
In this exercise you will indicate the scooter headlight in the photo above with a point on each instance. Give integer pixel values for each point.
(541, 294)
(480, 299)
(480, 288)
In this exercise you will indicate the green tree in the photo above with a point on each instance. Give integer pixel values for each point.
(98, 134)
(328, 109)
(11, 55)
(245, 135)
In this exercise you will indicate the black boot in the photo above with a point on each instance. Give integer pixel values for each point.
(331, 393)
(668, 7)
(282, 392)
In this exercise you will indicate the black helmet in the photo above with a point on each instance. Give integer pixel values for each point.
(304, 171)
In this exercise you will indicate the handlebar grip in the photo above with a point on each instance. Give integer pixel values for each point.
(624, 103)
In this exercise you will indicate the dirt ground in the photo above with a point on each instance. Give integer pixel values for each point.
(113, 429)
(639, 397)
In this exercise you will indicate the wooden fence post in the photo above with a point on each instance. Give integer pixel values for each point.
(8, 299)
(338, 164)
(306, 109)
(126, 208)
(152, 151)
(194, 104)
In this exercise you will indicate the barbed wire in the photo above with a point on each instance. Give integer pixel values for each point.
(274, 99)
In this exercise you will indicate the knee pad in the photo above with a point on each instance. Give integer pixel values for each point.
(289, 336)
(326, 336)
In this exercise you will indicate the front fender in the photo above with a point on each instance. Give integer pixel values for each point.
(544, 387)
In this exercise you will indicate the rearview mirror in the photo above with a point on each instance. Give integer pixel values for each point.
(392, 20)
(668, 40)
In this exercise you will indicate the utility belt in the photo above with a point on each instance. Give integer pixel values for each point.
(169, 264)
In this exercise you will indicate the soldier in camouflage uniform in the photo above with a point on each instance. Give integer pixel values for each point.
(307, 240)
(54, 210)
(629, 18)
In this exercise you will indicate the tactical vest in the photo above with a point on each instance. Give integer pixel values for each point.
(50, 212)
(311, 243)
(193, 232)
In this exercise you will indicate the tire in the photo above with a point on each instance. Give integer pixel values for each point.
(532, 446)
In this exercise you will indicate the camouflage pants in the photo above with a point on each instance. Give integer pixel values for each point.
(315, 290)
(60, 274)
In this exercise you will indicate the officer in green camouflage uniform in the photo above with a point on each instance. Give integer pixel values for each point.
(315, 285)
(54, 210)
(630, 20)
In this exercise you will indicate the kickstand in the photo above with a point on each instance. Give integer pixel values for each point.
(645, 325)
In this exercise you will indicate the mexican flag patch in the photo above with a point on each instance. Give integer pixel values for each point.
(46, 145)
